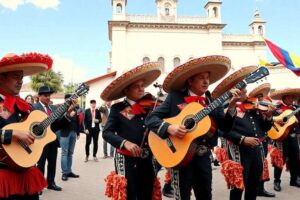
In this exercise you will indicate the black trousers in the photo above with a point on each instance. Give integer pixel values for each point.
(197, 175)
(140, 178)
(49, 154)
(93, 135)
(22, 197)
(252, 162)
(290, 151)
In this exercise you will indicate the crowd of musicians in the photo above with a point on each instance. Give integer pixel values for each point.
(240, 127)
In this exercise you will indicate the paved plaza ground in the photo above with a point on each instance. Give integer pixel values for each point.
(91, 185)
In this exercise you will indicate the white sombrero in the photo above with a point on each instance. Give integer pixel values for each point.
(148, 72)
(216, 65)
(29, 63)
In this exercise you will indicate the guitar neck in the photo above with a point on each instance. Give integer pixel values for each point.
(55, 115)
(293, 113)
(218, 102)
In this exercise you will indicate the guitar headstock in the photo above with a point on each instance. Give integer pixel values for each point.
(81, 90)
(258, 74)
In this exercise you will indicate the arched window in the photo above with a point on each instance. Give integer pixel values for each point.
(176, 62)
(215, 9)
(161, 62)
(167, 11)
(260, 30)
(119, 8)
(146, 60)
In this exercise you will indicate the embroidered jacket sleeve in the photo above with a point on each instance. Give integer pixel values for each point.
(5, 136)
(155, 120)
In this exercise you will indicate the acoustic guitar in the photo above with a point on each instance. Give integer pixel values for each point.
(279, 132)
(175, 152)
(18, 155)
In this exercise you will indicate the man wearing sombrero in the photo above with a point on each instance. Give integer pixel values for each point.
(261, 92)
(244, 141)
(26, 184)
(288, 146)
(125, 130)
(185, 84)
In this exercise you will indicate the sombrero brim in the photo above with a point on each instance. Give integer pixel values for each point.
(216, 65)
(278, 94)
(263, 89)
(233, 79)
(30, 63)
(148, 72)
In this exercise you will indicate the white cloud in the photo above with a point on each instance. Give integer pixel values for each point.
(42, 4)
(69, 69)
(11, 4)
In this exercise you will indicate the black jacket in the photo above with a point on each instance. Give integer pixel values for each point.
(88, 119)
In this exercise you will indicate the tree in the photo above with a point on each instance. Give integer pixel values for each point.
(70, 88)
(49, 78)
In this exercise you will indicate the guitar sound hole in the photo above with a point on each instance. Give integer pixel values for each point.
(189, 123)
(37, 130)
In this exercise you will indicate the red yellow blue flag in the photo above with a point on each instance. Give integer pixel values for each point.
(289, 60)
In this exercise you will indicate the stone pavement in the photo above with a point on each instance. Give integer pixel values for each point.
(91, 185)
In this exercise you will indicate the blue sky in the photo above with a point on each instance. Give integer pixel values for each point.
(75, 32)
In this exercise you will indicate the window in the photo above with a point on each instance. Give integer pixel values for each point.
(146, 60)
(167, 11)
(260, 30)
(176, 62)
(215, 9)
(119, 8)
(161, 62)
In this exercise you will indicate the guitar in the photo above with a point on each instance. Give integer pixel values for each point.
(176, 152)
(278, 132)
(18, 155)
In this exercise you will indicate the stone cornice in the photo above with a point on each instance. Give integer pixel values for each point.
(240, 43)
(182, 26)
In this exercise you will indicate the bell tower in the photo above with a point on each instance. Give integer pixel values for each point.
(119, 9)
(166, 9)
(258, 25)
(213, 9)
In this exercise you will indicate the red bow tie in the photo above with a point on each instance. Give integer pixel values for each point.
(137, 109)
(10, 101)
(285, 107)
(190, 99)
(241, 107)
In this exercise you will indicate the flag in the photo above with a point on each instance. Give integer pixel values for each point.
(289, 60)
(264, 63)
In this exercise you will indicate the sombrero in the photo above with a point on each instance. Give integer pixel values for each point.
(263, 89)
(231, 80)
(278, 94)
(148, 72)
(216, 65)
(29, 63)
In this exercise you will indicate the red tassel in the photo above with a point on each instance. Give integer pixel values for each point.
(156, 193)
(265, 174)
(233, 173)
(276, 158)
(221, 154)
(28, 182)
(116, 186)
(167, 176)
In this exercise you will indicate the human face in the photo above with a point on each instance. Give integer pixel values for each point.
(288, 99)
(93, 105)
(45, 99)
(135, 91)
(11, 82)
(29, 99)
(199, 83)
(260, 97)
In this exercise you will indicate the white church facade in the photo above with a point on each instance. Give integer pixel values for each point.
(171, 39)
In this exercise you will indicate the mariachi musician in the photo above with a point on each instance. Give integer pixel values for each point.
(244, 140)
(24, 184)
(288, 146)
(126, 131)
(185, 84)
(261, 94)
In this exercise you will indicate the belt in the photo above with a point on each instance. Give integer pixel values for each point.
(145, 152)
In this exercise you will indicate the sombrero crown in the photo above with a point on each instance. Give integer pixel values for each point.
(148, 72)
(216, 65)
(231, 80)
(278, 94)
(263, 89)
(29, 63)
